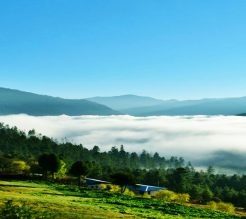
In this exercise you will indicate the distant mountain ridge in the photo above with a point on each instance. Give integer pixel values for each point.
(16, 102)
(157, 107)
(124, 102)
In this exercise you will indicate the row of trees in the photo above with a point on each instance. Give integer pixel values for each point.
(30, 146)
(31, 153)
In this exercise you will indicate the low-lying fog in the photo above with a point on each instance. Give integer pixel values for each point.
(215, 140)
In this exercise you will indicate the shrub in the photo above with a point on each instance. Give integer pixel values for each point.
(169, 196)
(183, 198)
(103, 186)
(227, 207)
(21, 211)
(212, 205)
(116, 189)
(19, 167)
(222, 206)
(129, 193)
(166, 195)
(145, 195)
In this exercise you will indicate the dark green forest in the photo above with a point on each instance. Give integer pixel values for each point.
(20, 153)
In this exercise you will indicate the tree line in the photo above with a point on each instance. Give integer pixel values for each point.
(31, 153)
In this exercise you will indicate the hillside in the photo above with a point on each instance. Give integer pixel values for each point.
(226, 106)
(144, 106)
(16, 102)
(60, 201)
(149, 169)
(126, 101)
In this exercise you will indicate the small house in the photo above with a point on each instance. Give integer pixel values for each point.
(145, 189)
(95, 183)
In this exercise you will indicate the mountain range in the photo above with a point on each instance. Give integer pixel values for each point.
(16, 102)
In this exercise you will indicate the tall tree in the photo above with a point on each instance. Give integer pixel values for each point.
(123, 179)
(79, 169)
(49, 163)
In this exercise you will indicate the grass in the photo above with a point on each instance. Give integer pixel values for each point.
(71, 202)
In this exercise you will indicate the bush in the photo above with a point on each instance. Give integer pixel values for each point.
(129, 193)
(222, 206)
(212, 205)
(166, 195)
(21, 211)
(116, 189)
(19, 167)
(183, 198)
(169, 196)
(103, 186)
(227, 207)
(145, 195)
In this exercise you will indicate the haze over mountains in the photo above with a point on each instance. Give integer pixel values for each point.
(16, 102)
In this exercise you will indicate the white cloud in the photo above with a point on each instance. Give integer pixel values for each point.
(194, 137)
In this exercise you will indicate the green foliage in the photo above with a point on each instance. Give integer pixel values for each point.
(123, 179)
(79, 168)
(169, 196)
(49, 163)
(222, 206)
(116, 189)
(5, 163)
(182, 198)
(16, 147)
(70, 202)
(19, 167)
(166, 195)
(21, 211)
(62, 170)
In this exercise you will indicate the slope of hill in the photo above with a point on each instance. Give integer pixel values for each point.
(126, 101)
(16, 102)
(220, 106)
(226, 106)
(67, 201)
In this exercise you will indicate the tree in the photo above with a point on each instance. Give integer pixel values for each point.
(207, 195)
(49, 163)
(123, 180)
(19, 167)
(62, 170)
(210, 170)
(181, 180)
(4, 164)
(95, 150)
(79, 169)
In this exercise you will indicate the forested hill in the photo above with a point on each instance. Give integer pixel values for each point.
(16, 143)
(17, 102)
(148, 169)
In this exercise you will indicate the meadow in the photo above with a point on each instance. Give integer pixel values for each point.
(50, 200)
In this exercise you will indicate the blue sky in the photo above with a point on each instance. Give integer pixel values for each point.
(165, 49)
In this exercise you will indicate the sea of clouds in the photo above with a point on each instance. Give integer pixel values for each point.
(204, 140)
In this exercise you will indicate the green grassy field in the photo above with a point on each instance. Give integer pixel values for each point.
(71, 202)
